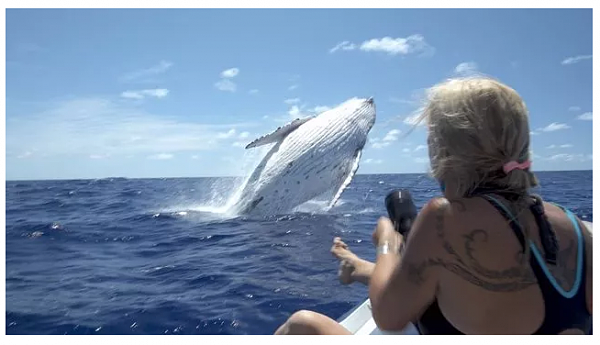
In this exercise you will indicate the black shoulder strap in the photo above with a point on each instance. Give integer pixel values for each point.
(547, 233)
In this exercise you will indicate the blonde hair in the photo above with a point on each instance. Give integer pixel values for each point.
(476, 125)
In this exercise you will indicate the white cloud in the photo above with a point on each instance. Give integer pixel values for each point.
(575, 59)
(320, 108)
(25, 154)
(466, 68)
(97, 125)
(566, 146)
(554, 126)
(294, 111)
(195, 157)
(232, 134)
(299, 112)
(567, 157)
(561, 156)
(159, 93)
(161, 156)
(253, 92)
(413, 44)
(422, 160)
(139, 75)
(141, 94)
(226, 85)
(230, 73)
(132, 95)
(420, 147)
(392, 135)
(239, 144)
(551, 146)
(345, 45)
(373, 161)
(534, 133)
(574, 108)
(226, 135)
(292, 101)
(381, 145)
(406, 150)
(585, 116)
(376, 143)
(293, 87)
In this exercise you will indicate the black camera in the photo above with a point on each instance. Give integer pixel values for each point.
(401, 210)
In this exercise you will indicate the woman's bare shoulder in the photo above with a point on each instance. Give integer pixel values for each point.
(459, 208)
(449, 211)
(441, 215)
(561, 222)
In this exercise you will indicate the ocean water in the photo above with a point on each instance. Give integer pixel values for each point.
(154, 256)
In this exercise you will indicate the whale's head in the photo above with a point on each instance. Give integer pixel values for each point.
(366, 111)
(360, 112)
(369, 109)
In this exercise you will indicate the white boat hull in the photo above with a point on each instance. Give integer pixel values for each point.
(360, 321)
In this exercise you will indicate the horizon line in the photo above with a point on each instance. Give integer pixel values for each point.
(227, 176)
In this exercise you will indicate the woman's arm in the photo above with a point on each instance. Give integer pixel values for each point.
(401, 288)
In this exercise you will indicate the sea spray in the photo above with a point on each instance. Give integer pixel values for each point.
(223, 191)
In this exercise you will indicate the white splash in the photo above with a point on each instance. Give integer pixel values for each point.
(223, 193)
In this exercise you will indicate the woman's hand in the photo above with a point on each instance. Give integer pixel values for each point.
(397, 298)
(384, 232)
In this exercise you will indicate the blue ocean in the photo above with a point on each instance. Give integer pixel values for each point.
(155, 256)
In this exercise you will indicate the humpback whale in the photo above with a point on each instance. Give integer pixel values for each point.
(310, 157)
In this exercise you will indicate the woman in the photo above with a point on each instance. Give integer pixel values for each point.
(488, 258)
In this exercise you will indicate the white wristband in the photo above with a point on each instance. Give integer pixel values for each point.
(383, 249)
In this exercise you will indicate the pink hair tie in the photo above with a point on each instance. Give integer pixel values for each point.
(512, 165)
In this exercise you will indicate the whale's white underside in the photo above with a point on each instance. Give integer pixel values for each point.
(310, 157)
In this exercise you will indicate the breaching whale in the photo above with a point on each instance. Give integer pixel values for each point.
(311, 156)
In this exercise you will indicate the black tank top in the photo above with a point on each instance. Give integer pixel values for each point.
(563, 309)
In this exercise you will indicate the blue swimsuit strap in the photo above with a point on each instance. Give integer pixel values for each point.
(538, 255)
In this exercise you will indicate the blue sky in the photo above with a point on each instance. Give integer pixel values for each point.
(165, 93)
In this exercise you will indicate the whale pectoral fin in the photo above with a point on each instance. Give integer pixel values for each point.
(279, 134)
(347, 180)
